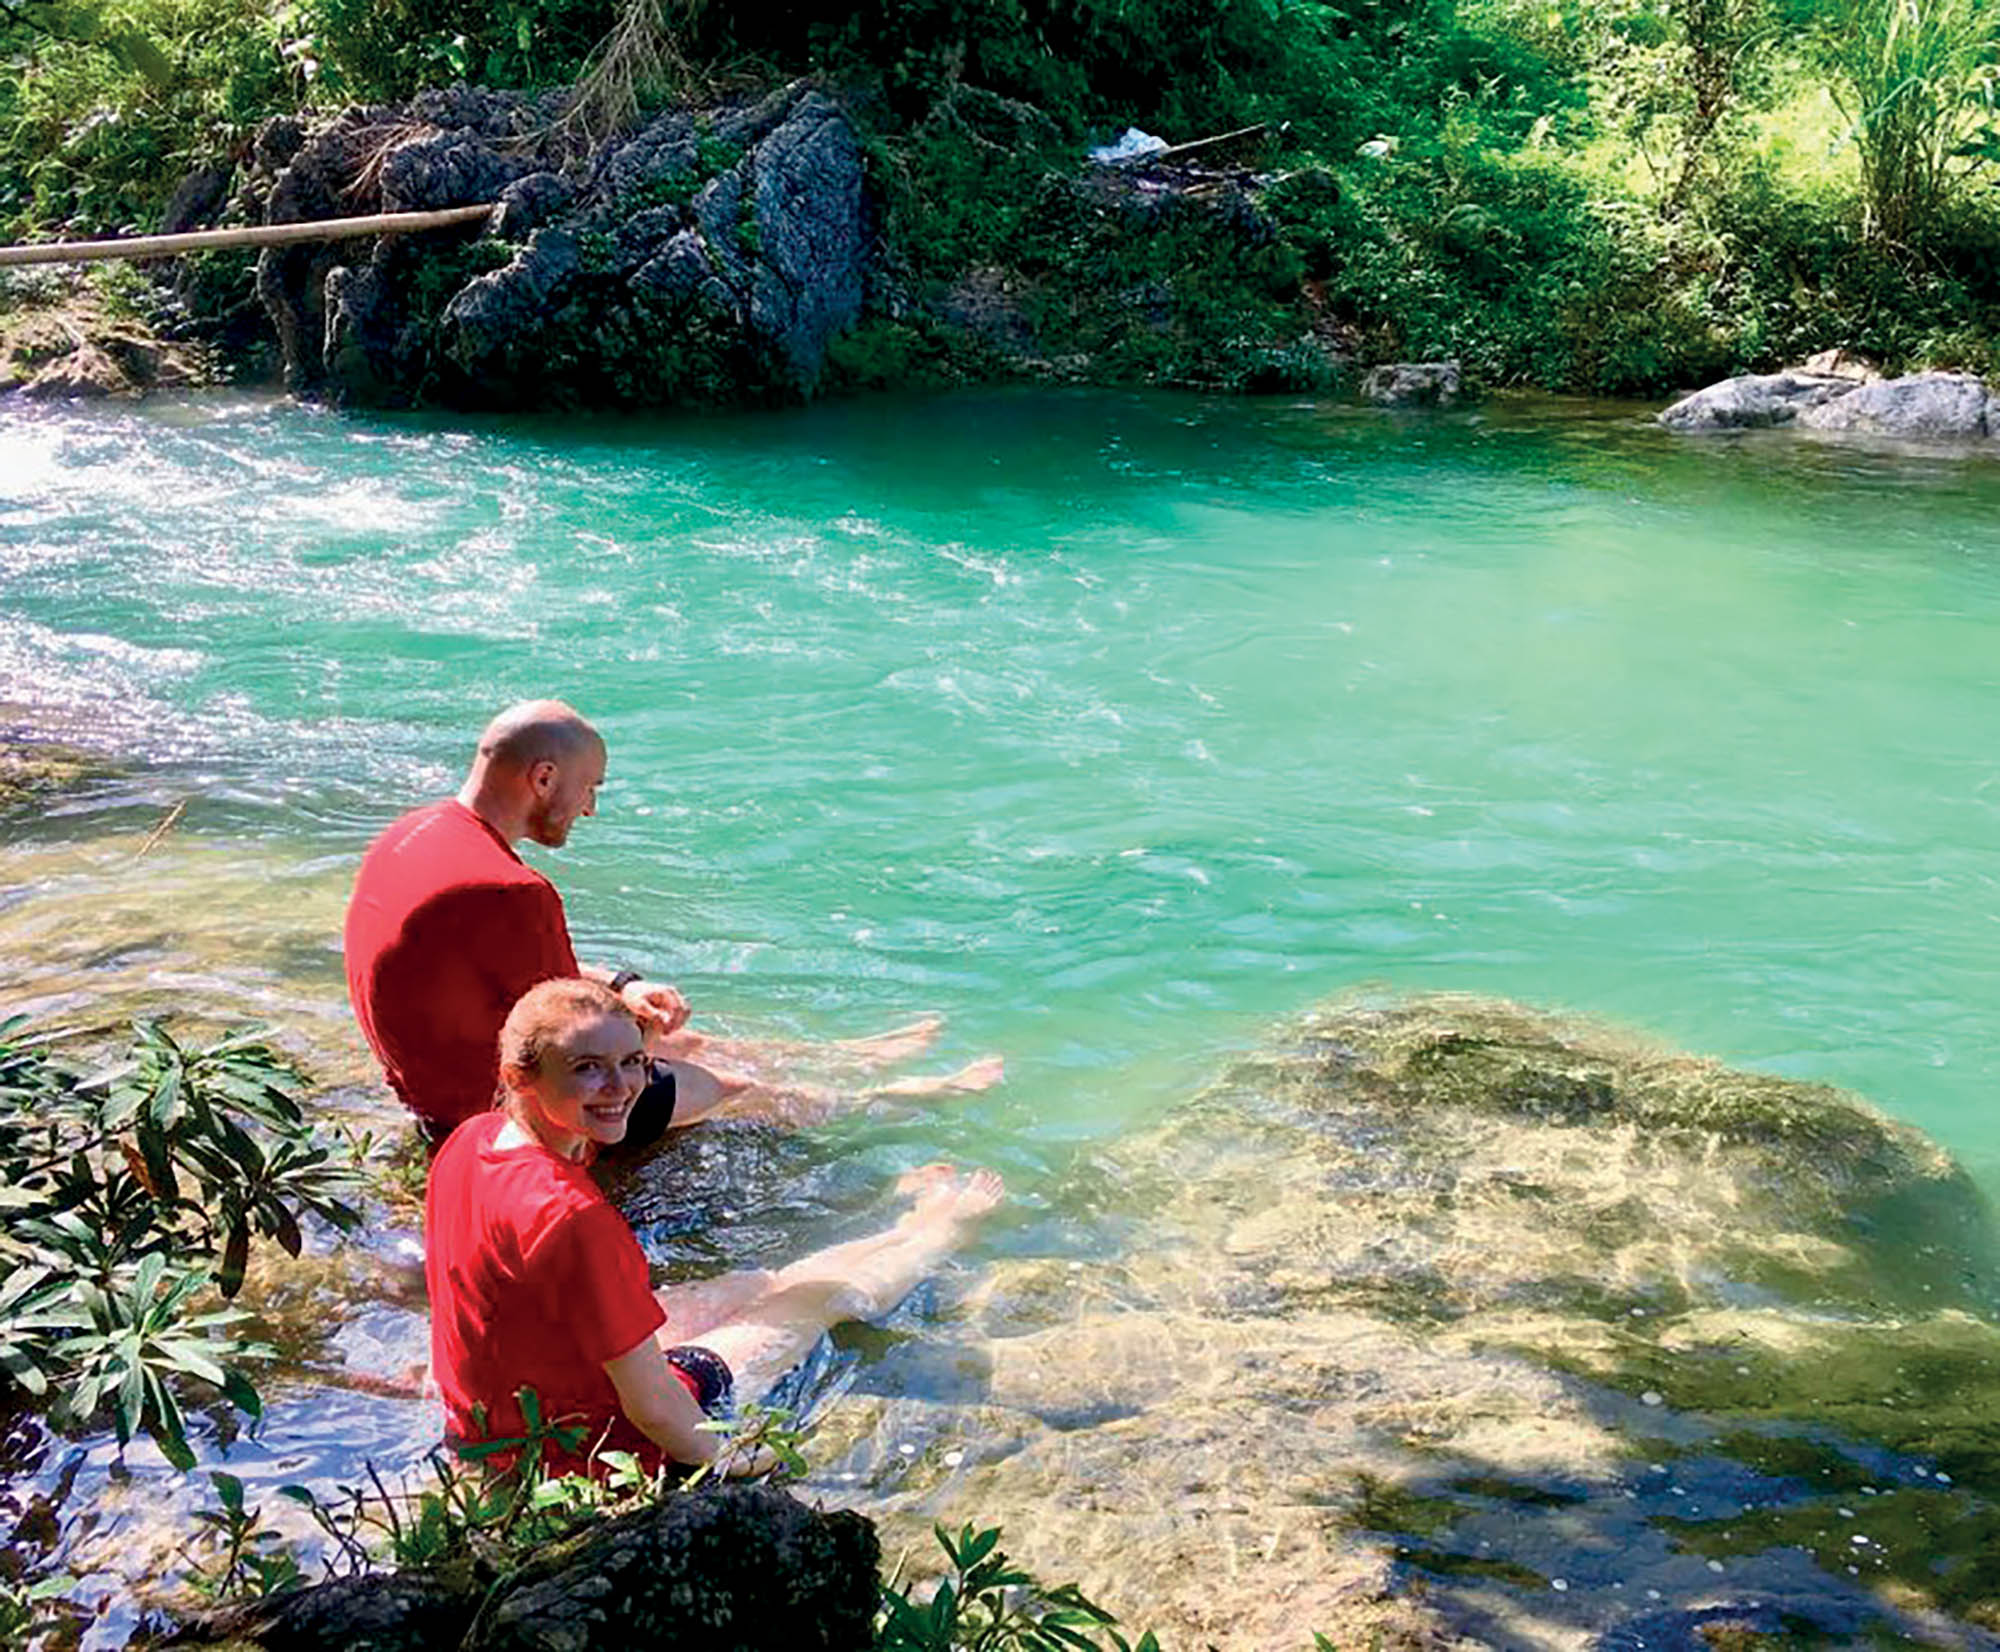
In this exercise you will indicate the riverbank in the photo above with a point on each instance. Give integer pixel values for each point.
(1568, 204)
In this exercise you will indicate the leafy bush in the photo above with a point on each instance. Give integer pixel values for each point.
(988, 1604)
(384, 49)
(131, 1198)
(105, 105)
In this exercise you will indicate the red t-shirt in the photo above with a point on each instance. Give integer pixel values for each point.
(534, 1280)
(445, 930)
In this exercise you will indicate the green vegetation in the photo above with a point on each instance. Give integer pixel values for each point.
(1623, 197)
(474, 1530)
(131, 1197)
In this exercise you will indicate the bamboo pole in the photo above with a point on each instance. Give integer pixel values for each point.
(255, 235)
(1176, 151)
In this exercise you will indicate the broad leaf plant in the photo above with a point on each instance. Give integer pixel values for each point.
(130, 1198)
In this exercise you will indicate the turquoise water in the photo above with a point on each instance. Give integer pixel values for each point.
(1114, 727)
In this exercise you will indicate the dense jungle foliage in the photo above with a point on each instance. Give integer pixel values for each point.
(1597, 195)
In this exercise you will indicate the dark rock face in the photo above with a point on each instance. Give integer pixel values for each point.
(737, 1569)
(1415, 384)
(695, 260)
(363, 1614)
(725, 1569)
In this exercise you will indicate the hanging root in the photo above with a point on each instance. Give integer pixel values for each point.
(641, 56)
(383, 140)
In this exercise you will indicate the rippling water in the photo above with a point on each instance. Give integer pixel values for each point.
(1113, 727)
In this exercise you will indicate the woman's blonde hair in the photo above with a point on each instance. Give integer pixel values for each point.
(544, 1013)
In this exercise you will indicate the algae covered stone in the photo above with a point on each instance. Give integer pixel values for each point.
(1441, 1317)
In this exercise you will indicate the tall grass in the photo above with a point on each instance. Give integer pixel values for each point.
(1919, 80)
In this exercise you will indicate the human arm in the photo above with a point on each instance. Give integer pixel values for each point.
(660, 1008)
(658, 1404)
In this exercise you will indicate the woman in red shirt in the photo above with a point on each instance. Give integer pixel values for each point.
(536, 1281)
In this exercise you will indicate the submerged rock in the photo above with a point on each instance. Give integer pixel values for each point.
(1441, 1314)
(34, 771)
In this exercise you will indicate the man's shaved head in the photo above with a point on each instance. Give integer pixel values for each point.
(538, 770)
(537, 731)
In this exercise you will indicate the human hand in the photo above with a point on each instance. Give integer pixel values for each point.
(737, 1463)
(659, 1008)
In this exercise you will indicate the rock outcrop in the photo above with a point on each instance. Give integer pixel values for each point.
(723, 1569)
(1755, 401)
(1922, 407)
(1928, 406)
(1415, 384)
(704, 257)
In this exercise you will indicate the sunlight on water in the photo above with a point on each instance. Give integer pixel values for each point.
(1114, 728)
(1106, 724)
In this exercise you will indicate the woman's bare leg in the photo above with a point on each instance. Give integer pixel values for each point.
(773, 1328)
(702, 1091)
(883, 1049)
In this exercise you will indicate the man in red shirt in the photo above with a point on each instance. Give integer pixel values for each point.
(447, 926)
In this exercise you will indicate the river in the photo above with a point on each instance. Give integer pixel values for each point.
(1114, 728)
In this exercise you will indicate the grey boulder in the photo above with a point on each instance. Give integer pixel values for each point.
(1755, 401)
(1415, 384)
(1935, 406)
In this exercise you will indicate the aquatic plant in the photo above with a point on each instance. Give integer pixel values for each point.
(132, 1196)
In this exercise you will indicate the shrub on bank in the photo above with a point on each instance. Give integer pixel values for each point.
(1586, 198)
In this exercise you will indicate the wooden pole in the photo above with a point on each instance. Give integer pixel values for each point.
(255, 235)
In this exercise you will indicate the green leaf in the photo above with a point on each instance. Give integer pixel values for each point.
(978, 1549)
(944, 1612)
(286, 1230)
(242, 1394)
(235, 1258)
(188, 1356)
(24, 1372)
(228, 1488)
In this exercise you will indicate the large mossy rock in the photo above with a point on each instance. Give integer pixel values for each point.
(35, 772)
(1440, 1318)
(709, 256)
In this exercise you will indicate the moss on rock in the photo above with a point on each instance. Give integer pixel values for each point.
(33, 771)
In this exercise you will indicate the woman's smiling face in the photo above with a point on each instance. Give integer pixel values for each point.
(588, 1078)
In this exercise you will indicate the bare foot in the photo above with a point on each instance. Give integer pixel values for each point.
(884, 1049)
(974, 1076)
(926, 1178)
(957, 1198)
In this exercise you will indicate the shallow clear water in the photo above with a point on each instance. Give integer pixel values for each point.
(1115, 728)
(1111, 726)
